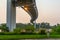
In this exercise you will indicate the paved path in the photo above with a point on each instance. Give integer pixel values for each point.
(39, 39)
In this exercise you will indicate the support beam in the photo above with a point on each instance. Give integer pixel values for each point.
(35, 24)
(11, 16)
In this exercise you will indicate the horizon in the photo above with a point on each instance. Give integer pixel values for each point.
(49, 11)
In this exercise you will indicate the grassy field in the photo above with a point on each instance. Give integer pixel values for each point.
(15, 37)
(22, 36)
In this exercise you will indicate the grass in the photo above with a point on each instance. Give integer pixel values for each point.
(22, 36)
(54, 36)
(16, 37)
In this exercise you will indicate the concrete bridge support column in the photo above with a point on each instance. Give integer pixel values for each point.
(11, 16)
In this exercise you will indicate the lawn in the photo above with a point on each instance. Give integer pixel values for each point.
(22, 36)
(54, 36)
(16, 37)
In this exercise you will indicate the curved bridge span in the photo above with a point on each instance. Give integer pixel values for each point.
(28, 5)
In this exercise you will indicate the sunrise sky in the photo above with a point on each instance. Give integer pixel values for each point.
(49, 11)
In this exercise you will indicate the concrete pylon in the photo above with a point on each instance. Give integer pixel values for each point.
(11, 16)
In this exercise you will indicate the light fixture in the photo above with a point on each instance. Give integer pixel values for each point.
(26, 8)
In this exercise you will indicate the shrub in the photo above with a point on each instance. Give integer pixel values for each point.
(42, 32)
(26, 33)
(9, 33)
(1, 33)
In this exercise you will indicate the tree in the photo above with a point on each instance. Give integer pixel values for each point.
(45, 25)
(29, 27)
(56, 29)
(4, 28)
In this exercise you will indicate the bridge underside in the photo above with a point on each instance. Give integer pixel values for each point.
(29, 7)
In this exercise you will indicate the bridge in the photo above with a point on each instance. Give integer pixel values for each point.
(28, 5)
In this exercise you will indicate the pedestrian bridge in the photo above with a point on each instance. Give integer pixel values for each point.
(28, 5)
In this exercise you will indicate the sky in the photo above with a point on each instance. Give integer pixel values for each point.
(48, 11)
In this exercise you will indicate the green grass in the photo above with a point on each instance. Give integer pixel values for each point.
(22, 36)
(16, 37)
(54, 36)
